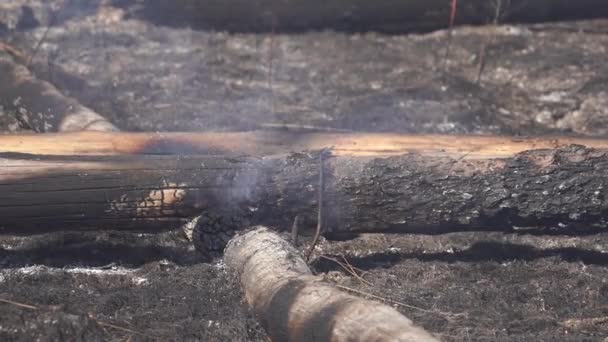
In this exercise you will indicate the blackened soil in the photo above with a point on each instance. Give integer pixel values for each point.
(116, 286)
(536, 79)
(484, 286)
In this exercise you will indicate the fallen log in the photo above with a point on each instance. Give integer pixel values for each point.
(39, 105)
(369, 188)
(294, 305)
(358, 15)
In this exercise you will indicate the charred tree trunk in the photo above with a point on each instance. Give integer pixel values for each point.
(293, 305)
(358, 15)
(419, 192)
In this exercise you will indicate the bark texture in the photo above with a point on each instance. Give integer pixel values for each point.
(561, 189)
(294, 305)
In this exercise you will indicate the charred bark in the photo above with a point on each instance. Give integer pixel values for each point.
(293, 305)
(562, 189)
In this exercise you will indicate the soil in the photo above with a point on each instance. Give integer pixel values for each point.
(147, 76)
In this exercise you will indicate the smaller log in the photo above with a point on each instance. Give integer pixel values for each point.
(40, 105)
(294, 305)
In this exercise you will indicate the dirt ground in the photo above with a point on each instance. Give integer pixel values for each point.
(143, 76)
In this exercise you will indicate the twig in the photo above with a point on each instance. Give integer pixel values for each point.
(54, 16)
(351, 266)
(270, 56)
(14, 52)
(294, 231)
(117, 327)
(354, 270)
(348, 268)
(303, 128)
(90, 316)
(447, 314)
(456, 162)
(21, 305)
(315, 239)
(450, 34)
(488, 40)
(384, 299)
(482, 62)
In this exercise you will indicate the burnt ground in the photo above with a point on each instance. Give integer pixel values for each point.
(538, 79)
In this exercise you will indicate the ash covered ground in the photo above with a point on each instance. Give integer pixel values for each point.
(143, 76)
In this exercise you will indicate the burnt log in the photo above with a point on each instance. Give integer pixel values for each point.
(357, 15)
(294, 305)
(369, 188)
(38, 104)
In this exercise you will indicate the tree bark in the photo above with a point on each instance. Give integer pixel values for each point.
(418, 192)
(39, 105)
(294, 305)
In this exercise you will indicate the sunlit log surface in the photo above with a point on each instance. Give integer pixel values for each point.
(419, 190)
(260, 143)
(294, 305)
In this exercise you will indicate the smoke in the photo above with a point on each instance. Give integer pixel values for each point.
(242, 192)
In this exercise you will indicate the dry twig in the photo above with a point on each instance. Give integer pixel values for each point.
(489, 40)
(52, 20)
(435, 312)
(90, 316)
(270, 57)
(319, 229)
(303, 128)
(349, 269)
(17, 54)
(450, 34)
(294, 231)
(21, 305)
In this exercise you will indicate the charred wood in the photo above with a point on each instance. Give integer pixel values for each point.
(562, 189)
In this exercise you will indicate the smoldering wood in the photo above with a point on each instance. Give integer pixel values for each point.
(39, 105)
(419, 192)
(294, 305)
